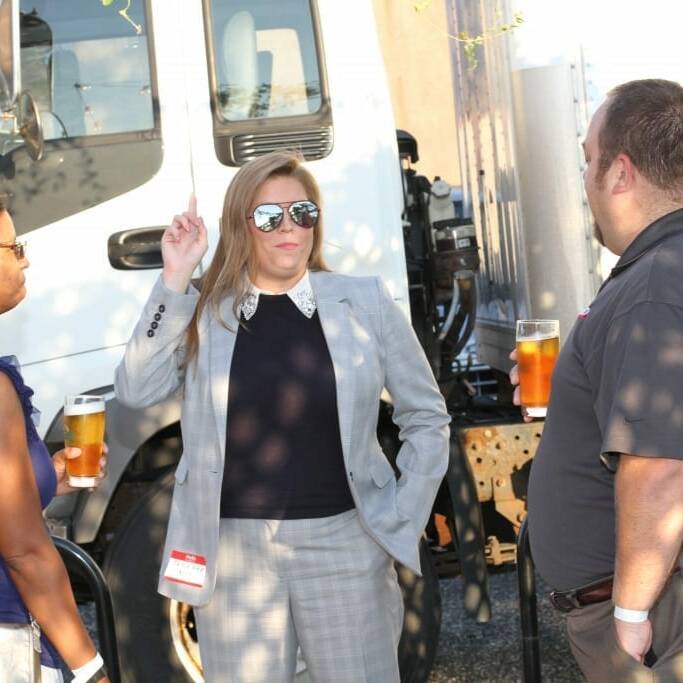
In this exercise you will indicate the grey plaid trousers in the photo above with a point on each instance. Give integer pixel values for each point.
(321, 584)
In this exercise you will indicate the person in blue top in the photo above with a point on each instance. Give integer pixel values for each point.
(33, 579)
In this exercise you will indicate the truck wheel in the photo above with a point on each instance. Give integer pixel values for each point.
(422, 620)
(154, 633)
(157, 637)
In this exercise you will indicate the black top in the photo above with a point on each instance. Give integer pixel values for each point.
(617, 388)
(283, 450)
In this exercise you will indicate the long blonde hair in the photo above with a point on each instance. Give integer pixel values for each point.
(235, 254)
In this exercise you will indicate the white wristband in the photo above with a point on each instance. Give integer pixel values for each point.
(83, 673)
(632, 616)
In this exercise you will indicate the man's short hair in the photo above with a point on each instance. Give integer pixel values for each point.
(644, 120)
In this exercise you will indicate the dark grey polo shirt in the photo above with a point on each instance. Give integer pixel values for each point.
(617, 388)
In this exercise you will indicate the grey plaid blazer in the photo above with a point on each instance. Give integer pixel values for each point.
(372, 347)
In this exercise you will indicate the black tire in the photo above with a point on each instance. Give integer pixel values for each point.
(131, 567)
(146, 649)
(422, 620)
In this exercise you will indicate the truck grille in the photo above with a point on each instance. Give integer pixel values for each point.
(313, 144)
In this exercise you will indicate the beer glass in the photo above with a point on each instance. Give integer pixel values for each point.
(538, 344)
(84, 429)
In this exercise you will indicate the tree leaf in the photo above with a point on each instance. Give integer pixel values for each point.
(422, 5)
(106, 3)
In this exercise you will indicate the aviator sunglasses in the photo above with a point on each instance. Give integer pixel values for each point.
(267, 217)
(19, 249)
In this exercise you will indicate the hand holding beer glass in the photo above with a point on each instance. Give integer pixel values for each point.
(538, 345)
(84, 429)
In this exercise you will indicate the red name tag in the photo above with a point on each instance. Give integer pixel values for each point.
(186, 568)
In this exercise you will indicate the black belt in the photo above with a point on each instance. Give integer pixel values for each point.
(590, 594)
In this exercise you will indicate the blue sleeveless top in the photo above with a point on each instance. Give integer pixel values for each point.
(12, 608)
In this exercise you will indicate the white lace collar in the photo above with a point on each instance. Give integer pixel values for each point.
(301, 294)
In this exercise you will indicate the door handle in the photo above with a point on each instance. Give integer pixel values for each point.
(137, 249)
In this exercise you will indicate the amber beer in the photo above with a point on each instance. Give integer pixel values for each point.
(538, 344)
(84, 428)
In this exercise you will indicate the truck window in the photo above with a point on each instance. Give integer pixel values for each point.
(88, 70)
(91, 74)
(267, 77)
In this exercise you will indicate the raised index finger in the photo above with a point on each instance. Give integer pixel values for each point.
(192, 207)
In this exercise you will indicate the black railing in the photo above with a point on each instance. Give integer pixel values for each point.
(469, 527)
(531, 652)
(80, 564)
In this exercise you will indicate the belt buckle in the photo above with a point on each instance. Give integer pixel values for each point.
(564, 601)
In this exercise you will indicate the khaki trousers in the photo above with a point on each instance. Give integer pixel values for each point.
(594, 645)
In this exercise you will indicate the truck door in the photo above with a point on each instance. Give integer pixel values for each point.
(116, 149)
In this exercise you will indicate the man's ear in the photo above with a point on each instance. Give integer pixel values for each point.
(622, 174)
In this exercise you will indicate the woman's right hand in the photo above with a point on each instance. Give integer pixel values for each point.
(183, 245)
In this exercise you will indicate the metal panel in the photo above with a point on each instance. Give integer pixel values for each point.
(561, 255)
(314, 144)
(521, 133)
(485, 116)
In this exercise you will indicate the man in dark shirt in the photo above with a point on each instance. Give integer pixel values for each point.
(606, 489)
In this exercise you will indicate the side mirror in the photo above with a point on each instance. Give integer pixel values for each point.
(30, 125)
(19, 116)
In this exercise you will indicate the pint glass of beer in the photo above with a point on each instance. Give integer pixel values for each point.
(538, 343)
(84, 429)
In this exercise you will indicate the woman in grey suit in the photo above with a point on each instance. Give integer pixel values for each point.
(286, 516)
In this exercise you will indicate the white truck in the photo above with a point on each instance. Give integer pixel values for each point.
(112, 115)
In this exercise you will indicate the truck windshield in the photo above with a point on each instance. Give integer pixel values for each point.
(87, 67)
(264, 59)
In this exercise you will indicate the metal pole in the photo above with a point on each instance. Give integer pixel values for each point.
(78, 562)
(531, 653)
(469, 526)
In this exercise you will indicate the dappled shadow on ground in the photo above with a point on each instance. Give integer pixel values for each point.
(491, 653)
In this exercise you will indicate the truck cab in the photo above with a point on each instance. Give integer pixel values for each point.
(113, 114)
